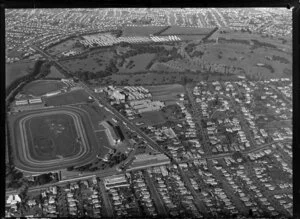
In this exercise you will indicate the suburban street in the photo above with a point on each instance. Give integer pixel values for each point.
(197, 117)
(157, 199)
(108, 207)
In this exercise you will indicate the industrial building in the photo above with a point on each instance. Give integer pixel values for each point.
(148, 160)
(116, 181)
(147, 105)
(36, 100)
(28, 104)
(21, 102)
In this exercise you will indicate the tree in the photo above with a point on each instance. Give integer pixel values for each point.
(70, 168)
(44, 178)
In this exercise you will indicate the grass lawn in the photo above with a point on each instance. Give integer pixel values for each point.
(152, 118)
(54, 73)
(72, 97)
(238, 55)
(16, 70)
(173, 30)
(149, 78)
(139, 63)
(141, 31)
(145, 79)
(167, 93)
(98, 114)
(277, 124)
(52, 135)
(94, 62)
(61, 47)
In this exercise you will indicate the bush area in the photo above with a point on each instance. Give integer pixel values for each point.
(222, 39)
(269, 67)
(41, 69)
(280, 59)
(113, 160)
(161, 54)
(258, 44)
(26, 78)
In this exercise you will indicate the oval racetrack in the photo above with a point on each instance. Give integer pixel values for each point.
(22, 157)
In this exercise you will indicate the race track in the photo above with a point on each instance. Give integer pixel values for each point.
(20, 148)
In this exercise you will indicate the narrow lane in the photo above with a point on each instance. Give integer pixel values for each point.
(161, 210)
(229, 191)
(198, 202)
(197, 117)
(108, 206)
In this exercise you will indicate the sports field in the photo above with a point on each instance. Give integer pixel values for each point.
(41, 87)
(168, 93)
(52, 136)
(152, 118)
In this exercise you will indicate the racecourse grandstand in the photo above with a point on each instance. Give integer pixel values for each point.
(114, 134)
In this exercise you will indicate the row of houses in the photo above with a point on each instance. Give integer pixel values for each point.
(109, 40)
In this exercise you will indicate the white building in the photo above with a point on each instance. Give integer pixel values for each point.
(116, 181)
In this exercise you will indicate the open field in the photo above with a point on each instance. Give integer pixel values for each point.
(151, 118)
(166, 93)
(252, 36)
(275, 125)
(92, 62)
(63, 46)
(54, 145)
(141, 31)
(16, 70)
(145, 79)
(41, 87)
(52, 136)
(72, 97)
(155, 78)
(54, 73)
(240, 55)
(165, 67)
(175, 30)
(139, 63)
(96, 113)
